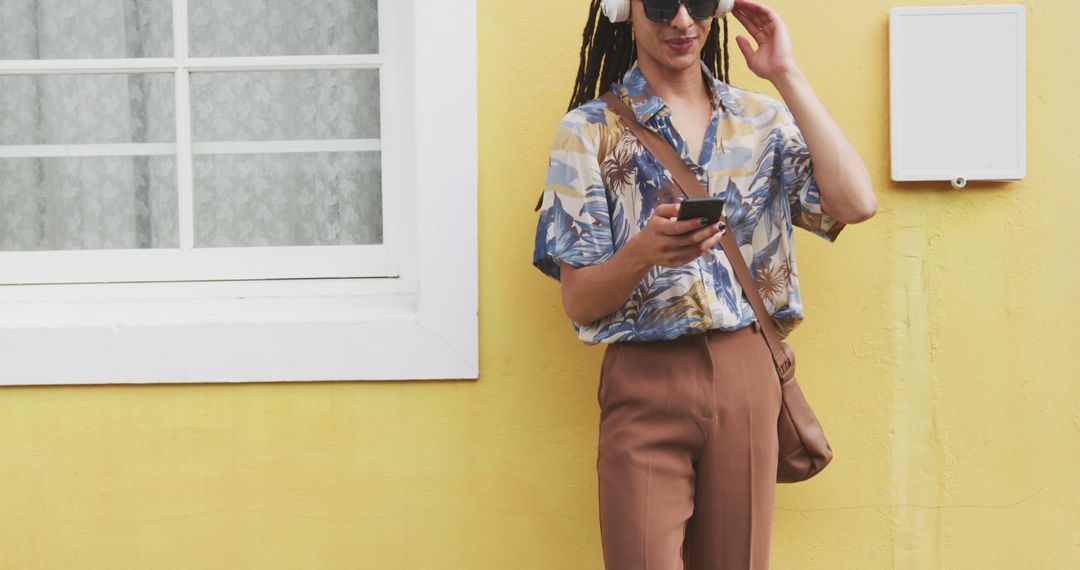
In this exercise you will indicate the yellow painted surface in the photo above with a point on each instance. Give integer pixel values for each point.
(938, 351)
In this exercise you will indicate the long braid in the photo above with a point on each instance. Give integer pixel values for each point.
(715, 56)
(727, 62)
(608, 51)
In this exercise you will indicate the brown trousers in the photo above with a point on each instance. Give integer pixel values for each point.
(687, 453)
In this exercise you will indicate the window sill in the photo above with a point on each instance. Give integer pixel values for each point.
(369, 335)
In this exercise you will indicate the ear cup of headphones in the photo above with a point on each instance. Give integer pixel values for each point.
(618, 10)
(724, 7)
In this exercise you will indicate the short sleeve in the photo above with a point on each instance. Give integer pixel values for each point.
(800, 186)
(574, 224)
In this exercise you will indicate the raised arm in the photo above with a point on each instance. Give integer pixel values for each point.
(846, 191)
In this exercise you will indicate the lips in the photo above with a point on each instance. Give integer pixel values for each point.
(681, 45)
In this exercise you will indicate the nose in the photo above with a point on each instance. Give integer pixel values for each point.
(682, 19)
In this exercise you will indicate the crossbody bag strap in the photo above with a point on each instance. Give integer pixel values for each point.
(692, 187)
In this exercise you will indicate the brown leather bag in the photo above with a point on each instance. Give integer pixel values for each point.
(804, 451)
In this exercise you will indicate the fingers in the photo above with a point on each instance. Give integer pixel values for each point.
(759, 14)
(667, 210)
(710, 242)
(680, 227)
(699, 236)
(678, 242)
(664, 219)
(747, 19)
(760, 20)
(760, 33)
(689, 239)
(750, 17)
(685, 254)
(744, 46)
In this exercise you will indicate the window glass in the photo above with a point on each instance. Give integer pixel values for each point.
(288, 199)
(80, 29)
(81, 203)
(283, 27)
(285, 105)
(87, 109)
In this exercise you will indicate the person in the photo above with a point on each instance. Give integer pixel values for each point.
(688, 394)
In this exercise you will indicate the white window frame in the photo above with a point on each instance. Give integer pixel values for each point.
(64, 326)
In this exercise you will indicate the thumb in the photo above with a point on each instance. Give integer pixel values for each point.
(744, 45)
(667, 210)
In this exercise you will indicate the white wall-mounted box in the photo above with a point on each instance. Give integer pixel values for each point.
(957, 93)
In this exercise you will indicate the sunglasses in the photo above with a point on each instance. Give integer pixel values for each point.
(665, 10)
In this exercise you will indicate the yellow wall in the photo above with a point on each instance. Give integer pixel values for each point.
(936, 351)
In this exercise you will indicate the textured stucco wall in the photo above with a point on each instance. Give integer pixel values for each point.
(937, 352)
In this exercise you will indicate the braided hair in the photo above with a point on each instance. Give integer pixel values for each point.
(608, 50)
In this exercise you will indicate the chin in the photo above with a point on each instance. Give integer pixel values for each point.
(680, 63)
(681, 60)
(671, 60)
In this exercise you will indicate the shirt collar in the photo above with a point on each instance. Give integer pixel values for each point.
(646, 104)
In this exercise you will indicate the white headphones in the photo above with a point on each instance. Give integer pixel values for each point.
(619, 10)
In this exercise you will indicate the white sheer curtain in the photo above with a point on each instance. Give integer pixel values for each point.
(246, 199)
(86, 202)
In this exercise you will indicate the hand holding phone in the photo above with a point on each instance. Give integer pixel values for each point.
(711, 209)
(676, 234)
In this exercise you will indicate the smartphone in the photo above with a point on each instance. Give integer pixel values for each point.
(709, 208)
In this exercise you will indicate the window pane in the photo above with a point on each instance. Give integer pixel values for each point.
(76, 29)
(285, 105)
(86, 109)
(73, 203)
(288, 199)
(283, 27)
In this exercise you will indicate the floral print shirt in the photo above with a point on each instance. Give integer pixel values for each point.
(602, 186)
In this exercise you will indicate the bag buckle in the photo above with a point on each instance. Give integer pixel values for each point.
(783, 367)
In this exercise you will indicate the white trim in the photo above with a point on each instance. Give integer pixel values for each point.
(397, 129)
(168, 149)
(927, 176)
(285, 288)
(225, 311)
(185, 163)
(63, 150)
(195, 64)
(445, 114)
(202, 264)
(285, 63)
(79, 66)
(288, 147)
(225, 340)
(420, 325)
(180, 29)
